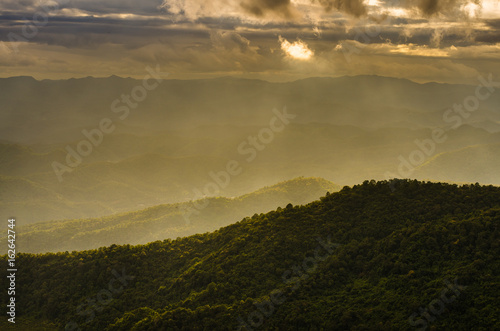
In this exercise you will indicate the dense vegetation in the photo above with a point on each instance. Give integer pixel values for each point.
(164, 221)
(364, 258)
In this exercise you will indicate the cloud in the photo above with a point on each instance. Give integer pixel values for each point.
(296, 50)
(446, 8)
(431, 7)
(225, 37)
(265, 8)
(356, 8)
(90, 7)
(437, 37)
(456, 8)
(229, 40)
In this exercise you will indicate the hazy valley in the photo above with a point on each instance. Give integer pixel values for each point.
(343, 129)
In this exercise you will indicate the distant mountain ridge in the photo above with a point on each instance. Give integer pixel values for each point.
(25, 79)
(165, 221)
(342, 100)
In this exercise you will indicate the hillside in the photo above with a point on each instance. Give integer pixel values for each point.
(377, 256)
(164, 221)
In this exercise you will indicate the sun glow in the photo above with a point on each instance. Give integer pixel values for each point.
(297, 50)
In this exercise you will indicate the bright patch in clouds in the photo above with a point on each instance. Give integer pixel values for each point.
(297, 50)
(471, 9)
(490, 9)
(372, 2)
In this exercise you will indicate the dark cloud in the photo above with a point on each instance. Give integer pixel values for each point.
(143, 7)
(489, 38)
(90, 32)
(431, 7)
(353, 7)
(263, 8)
(495, 24)
(285, 9)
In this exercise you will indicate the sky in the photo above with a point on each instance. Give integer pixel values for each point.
(450, 41)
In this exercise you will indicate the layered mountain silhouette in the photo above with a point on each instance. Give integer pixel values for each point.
(165, 221)
(55, 111)
(56, 163)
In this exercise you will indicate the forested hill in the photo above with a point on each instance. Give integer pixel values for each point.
(167, 221)
(376, 256)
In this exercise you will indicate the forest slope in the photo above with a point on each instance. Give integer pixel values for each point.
(365, 258)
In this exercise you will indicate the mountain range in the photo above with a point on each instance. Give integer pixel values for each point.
(164, 221)
(172, 144)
